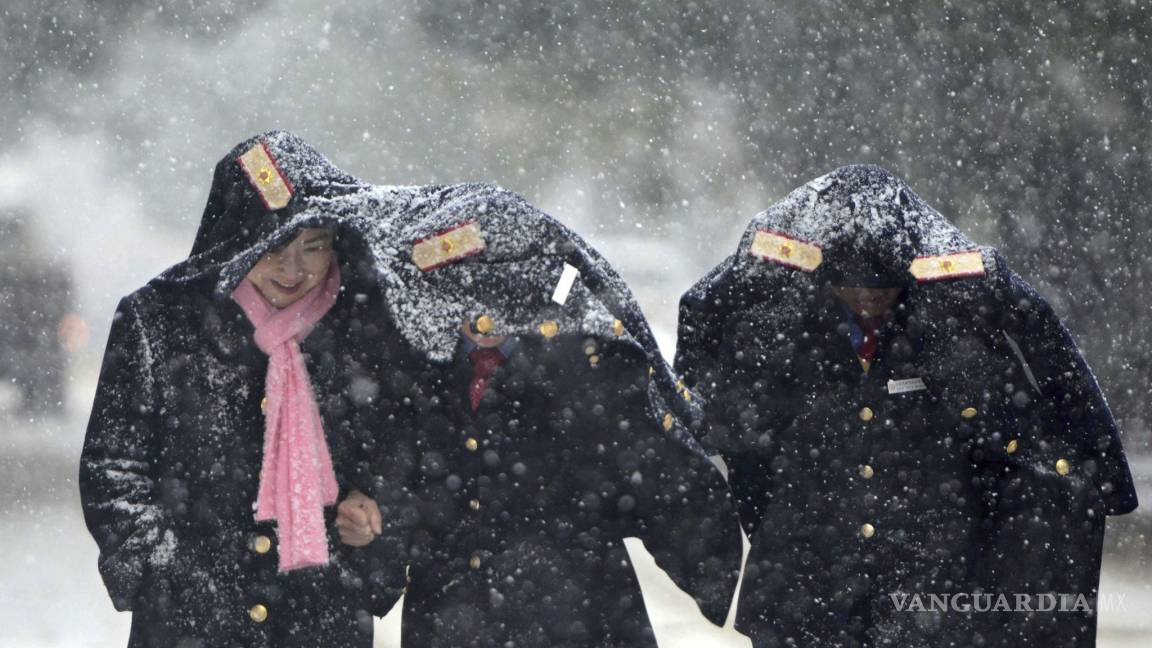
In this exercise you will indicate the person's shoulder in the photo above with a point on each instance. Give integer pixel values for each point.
(142, 300)
(710, 291)
(972, 281)
(159, 300)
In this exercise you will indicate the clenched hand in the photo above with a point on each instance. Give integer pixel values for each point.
(358, 519)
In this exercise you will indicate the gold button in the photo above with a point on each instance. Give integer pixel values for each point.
(668, 421)
(866, 414)
(484, 324)
(471, 444)
(474, 505)
(258, 613)
(1063, 467)
(549, 329)
(687, 395)
(969, 412)
(618, 328)
(867, 530)
(590, 349)
(593, 360)
(866, 471)
(261, 544)
(1012, 446)
(264, 404)
(474, 562)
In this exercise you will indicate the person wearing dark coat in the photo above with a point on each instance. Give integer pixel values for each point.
(537, 438)
(193, 539)
(902, 416)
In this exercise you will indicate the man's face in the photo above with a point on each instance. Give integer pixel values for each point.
(867, 302)
(286, 274)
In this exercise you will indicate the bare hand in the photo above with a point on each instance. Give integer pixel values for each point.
(358, 519)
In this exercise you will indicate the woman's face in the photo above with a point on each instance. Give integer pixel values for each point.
(286, 274)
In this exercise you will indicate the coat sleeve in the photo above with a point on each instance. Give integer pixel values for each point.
(1062, 470)
(383, 467)
(735, 411)
(1080, 429)
(375, 572)
(382, 564)
(700, 349)
(673, 499)
(118, 488)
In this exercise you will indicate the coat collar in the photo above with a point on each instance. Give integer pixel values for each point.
(835, 323)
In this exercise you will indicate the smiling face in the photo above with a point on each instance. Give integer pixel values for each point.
(867, 302)
(286, 274)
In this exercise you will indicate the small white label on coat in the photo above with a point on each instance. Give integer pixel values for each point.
(1023, 362)
(906, 385)
(560, 295)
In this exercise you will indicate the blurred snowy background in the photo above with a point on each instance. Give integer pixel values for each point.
(656, 129)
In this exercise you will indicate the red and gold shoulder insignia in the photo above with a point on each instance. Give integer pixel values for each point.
(266, 177)
(785, 250)
(448, 246)
(948, 266)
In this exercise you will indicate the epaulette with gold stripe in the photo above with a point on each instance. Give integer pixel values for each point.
(948, 266)
(780, 248)
(448, 246)
(266, 177)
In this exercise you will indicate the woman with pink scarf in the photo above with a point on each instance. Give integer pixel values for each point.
(231, 388)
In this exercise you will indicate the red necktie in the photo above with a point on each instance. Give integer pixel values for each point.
(484, 363)
(871, 328)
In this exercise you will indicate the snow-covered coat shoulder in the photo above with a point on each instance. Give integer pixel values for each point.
(853, 212)
(513, 234)
(510, 263)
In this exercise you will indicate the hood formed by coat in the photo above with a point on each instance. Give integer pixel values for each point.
(856, 220)
(857, 214)
(451, 254)
(260, 191)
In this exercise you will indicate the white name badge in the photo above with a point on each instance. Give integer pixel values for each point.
(564, 286)
(906, 385)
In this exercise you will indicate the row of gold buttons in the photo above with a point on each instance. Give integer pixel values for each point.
(473, 445)
(867, 530)
(260, 544)
(866, 471)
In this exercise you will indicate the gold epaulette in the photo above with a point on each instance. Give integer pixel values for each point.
(785, 250)
(948, 266)
(265, 176)
(448, 246)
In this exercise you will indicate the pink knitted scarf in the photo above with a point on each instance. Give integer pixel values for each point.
(297, 480)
